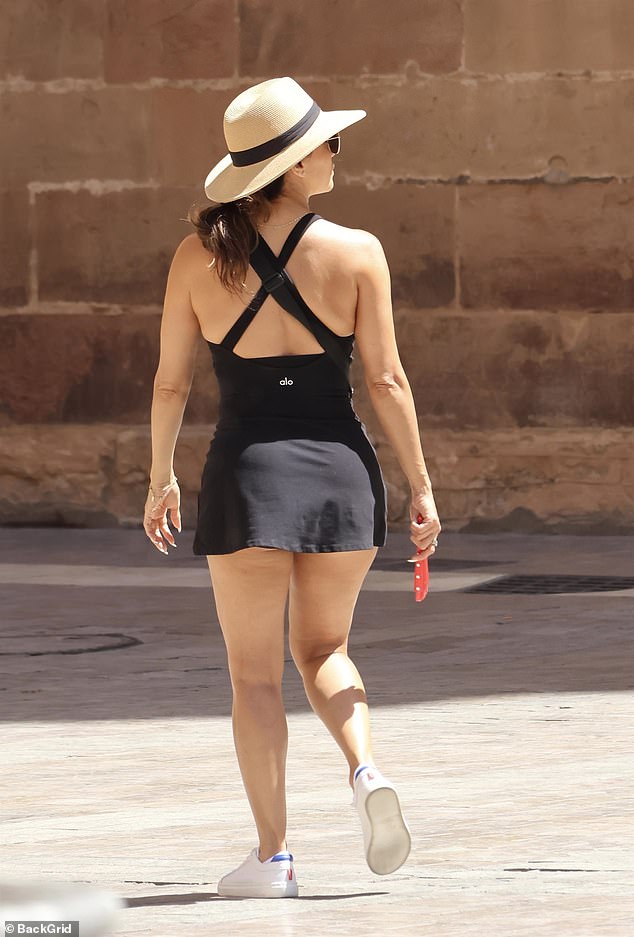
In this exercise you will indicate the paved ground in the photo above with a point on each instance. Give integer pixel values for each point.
(505, 720)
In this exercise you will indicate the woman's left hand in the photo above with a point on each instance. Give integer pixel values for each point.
(425, 534)
(155, 517)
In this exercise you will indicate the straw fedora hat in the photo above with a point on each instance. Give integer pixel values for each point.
(269, 128)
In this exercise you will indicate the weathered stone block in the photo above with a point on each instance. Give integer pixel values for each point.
(416, 227)
(545, 247)
(414, 130)
(498, 369)
(525, 128)
(34, 452)
(89, 366)
(171, 135)
(523, 467)
(87, 475)
(14, 247)
(546, 479)
(533, 36)
(76, 135)
(529, 369)
(42, 41)
(171, 39)
(443, 128)
(332, 38)
(115, 248)
(187, 136)
(570, 510)
(56, 474)
(77, 368)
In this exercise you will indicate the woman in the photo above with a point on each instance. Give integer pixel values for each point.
(292, 500)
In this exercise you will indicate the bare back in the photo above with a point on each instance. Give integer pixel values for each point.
(324, 267)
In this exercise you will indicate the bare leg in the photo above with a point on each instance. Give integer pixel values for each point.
(250, 591)
(324, 591)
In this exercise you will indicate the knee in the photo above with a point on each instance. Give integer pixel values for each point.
(256, 686)
(255, 673)
(308, 657)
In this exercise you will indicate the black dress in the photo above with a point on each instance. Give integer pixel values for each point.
(290, 464)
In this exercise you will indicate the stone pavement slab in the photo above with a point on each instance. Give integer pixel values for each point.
(505, 721)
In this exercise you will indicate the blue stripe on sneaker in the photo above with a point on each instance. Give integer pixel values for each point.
(359, 770)
(280, 857)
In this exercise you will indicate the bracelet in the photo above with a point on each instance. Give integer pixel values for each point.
(161, 491)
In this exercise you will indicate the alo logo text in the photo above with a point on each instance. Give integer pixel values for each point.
(286, 380)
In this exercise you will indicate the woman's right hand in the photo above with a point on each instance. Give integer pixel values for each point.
(423, 535)
(155, 516)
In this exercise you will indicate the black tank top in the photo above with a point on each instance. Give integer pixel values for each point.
(313, 387)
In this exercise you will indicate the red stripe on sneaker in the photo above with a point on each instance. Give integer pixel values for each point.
(290, 875)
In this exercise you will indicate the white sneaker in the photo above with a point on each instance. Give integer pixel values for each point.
(386, 835)
(274, 878)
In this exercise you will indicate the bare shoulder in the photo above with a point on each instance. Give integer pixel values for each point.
(190, 249)
(190, 258)
(355, 246)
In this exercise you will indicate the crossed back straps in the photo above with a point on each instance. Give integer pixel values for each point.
(277, 282)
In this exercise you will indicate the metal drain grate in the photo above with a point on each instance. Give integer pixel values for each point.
(550, 585)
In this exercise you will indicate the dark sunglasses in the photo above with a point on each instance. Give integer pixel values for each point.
(335, 144)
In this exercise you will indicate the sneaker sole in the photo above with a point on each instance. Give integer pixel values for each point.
(283, 890)
(390, 841)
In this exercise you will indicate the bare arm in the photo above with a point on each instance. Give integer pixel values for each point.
(388, 388)
(172, 383)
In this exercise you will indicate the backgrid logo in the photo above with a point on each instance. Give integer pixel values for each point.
(66, 928)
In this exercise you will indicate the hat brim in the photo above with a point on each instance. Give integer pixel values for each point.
(226, 182)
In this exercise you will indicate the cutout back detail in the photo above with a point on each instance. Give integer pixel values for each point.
(277, 280)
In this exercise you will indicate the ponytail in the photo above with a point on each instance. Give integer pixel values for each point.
(229, 231)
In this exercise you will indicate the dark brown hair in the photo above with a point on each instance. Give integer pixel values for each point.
(228, 231)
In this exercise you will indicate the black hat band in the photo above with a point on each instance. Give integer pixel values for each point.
(272, 147)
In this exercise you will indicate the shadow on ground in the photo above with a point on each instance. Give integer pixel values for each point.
(91, 653)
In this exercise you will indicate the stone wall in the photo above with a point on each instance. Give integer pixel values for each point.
(494, 164)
